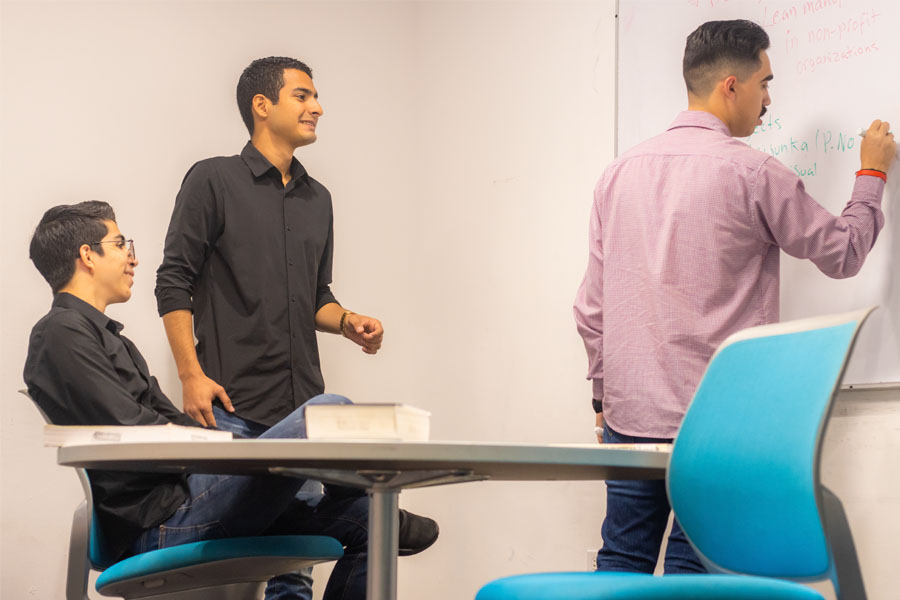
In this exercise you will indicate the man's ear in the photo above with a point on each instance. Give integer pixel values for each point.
(728, 84)
(85, 258)
(260, 106)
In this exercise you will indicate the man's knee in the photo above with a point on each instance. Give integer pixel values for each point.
(327, 399)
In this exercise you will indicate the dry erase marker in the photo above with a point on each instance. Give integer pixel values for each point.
(863, 132)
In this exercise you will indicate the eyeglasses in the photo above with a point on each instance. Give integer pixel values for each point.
(120, 244)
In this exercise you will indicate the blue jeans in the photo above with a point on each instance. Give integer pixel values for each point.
(296, 585)
(222, 506)
(636, 516)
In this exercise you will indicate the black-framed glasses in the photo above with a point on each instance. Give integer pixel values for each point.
(121, 245)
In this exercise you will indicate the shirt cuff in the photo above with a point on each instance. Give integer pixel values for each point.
(869, 185)
(323, 298)
(171, 299)
(598, 389)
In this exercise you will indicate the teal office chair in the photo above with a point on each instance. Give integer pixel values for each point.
(224, 569)
(743, 479)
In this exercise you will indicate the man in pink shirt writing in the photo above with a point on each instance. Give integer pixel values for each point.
(685, 234)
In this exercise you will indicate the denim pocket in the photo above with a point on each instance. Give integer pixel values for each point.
(176, 536)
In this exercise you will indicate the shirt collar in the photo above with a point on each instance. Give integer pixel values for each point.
(67, 300)
(699, 118)
(260, 165)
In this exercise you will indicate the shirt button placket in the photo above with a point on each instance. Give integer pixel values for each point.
(292, 297)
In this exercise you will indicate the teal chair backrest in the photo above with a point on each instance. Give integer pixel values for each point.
(743, 478)
(98, 549)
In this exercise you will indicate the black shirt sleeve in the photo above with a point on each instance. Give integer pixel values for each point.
(323, 288)
(193, 230)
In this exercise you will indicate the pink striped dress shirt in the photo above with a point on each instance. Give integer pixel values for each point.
(685, 232)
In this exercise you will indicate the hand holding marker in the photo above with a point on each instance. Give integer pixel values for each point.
(878, 150)
(863, 131)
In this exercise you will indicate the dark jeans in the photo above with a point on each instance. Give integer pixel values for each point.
(240, 505)
(636, 516)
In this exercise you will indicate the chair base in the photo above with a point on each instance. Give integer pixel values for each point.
(235, 591)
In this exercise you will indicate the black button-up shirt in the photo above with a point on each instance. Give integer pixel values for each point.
(81, 371)
(251, 258)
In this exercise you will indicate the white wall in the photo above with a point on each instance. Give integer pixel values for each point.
(460, 141)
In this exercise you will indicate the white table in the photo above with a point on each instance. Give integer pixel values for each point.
(383, 469)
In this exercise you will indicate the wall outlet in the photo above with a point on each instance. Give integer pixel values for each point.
(592, 559)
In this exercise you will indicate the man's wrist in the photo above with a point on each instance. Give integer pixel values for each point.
(189, 374)
(872, 172)
(341, 326)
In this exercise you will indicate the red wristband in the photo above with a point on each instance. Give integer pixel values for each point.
(873, 173)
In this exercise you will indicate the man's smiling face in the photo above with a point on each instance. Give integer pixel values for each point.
(114, 268)
(295, 116)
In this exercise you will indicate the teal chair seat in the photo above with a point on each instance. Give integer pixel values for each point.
(743, 479)
(217, 562)
(627, 586)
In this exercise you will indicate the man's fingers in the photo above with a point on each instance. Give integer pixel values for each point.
(197, 416)
(224, 399)
(368, 333)
(880, 127)
(209, 418)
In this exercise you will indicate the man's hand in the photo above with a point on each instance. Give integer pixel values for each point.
(878, 148)
(599, 423)
(198, 392)
(365, 331)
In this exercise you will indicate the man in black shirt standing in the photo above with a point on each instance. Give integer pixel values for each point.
(248, 258)
(249, 253)
(81, 371)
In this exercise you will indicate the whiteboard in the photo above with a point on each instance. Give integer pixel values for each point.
(836, 65)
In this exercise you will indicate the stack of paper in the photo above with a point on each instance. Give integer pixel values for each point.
(79, 435)
(367, 422)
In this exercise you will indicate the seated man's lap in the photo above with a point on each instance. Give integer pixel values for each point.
(242, 505)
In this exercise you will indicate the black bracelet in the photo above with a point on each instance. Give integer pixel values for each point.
(598, 405)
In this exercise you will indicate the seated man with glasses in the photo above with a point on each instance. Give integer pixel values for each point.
(81, 371)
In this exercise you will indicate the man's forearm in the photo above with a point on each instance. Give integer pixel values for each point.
(328, 318)
(179, 331)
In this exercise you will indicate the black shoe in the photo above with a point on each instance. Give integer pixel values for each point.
(416, 533)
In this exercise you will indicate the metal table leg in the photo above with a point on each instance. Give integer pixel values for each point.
(384, 526)
(383, 488)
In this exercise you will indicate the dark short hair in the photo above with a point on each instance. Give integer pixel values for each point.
(264, 76)
(717, 45)
(61, 232)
